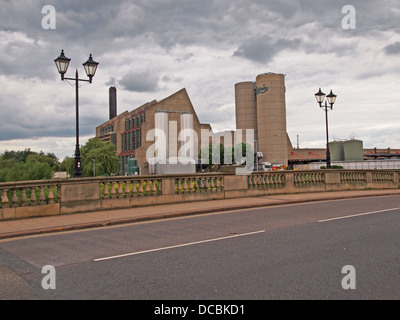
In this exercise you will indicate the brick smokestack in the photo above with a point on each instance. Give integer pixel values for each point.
(113, 102)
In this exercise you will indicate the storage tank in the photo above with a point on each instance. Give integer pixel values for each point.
(337, 151)
(133, 168)
(246, 107)
(271, 117)
(353, 150)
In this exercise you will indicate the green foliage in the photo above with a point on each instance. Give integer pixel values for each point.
(101, 155)
(332, 167)
(68, 165)
(26, 165)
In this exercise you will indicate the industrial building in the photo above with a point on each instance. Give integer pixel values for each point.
(260, 105)
(128, 130)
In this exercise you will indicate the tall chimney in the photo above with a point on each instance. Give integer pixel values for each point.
(113, 102)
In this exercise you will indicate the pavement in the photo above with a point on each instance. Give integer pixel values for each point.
(43, 225)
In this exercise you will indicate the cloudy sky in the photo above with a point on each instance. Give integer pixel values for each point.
(149, 49)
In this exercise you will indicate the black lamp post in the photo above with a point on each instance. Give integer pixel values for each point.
(320, 96)
(90, 66)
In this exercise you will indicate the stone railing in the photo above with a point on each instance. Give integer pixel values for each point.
(23, 199)
(64, 196)
(199, 183)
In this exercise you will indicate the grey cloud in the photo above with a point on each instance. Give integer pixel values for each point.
(111, 82)
(263, 49)
(393, 48)
(139, 82)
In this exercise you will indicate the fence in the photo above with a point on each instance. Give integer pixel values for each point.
(65, 196)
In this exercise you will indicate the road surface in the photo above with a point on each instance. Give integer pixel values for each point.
(342, 249)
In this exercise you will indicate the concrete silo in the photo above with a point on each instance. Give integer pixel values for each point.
(271, 117)
(246, 107)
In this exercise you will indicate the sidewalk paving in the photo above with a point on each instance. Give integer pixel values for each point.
(42, 225)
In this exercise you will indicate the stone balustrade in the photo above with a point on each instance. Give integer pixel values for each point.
(65, 196)
(200, 183)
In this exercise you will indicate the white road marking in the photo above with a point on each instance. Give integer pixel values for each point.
(178, 246)
(359, 214)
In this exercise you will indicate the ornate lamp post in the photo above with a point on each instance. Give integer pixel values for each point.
(90, 66)
(320, 96)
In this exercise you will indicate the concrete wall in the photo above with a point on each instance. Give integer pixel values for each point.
(66, 196)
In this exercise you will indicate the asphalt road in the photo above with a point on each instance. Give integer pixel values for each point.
(284, 252)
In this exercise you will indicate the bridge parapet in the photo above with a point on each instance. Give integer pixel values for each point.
(66, 196)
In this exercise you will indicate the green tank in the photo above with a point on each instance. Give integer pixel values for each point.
(133, 168)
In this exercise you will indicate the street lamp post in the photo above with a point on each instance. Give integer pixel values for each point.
(90, 66)
(320, 96)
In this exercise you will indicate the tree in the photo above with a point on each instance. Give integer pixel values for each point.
(27, 165)
(50, 159)
(101, 155)
(68, 165)
(17, 156)
(215, 154)
(240, 150)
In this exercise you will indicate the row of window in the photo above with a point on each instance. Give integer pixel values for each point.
(131, 140)
(105, 130)
(134, 122)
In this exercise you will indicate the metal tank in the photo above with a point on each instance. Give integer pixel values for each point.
(353, 150)
(337, 151)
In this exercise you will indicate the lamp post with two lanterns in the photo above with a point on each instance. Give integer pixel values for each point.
(62, 63)
(320, 96)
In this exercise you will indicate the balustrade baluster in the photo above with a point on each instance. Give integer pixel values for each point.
(14, 199)
(154, 187)
(249, 182)
(185, 186)
(120, 189)
(196, 185)
(32, 198)
(23, 197)
(147, 189)
(113, 192)
(212, 186)
(105, 184)
(140, 190)
(201, 184)
(218, 183)
(51, 195)
(127, 189)
(178, 186)
(134, 188)
(4, 199)
(207, 184)
(41, 195)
